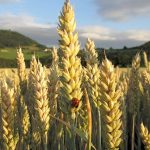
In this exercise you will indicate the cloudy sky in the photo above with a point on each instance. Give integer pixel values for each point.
(114, 23)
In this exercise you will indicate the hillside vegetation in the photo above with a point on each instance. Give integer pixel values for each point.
(12, 39)
(123, 57)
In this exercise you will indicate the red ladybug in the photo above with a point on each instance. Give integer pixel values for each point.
(75, 102)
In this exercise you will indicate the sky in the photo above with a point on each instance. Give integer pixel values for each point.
(116, 23)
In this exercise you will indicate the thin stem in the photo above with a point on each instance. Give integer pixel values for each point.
(45, 141)
(89, 120)
(133, 132)
(99, 130)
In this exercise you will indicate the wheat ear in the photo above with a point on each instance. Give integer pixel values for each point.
(111, 113)
(134, 100)
(134, 85)
(23, 115)
(30, 84)
(21, 71)
(92, 73)
(35, 133)
(92, 77)
(7, 117)
(145, 89)
(145, 135)
(41, 103)
(70, 63)
(53, 83)
(123, 86)
(21, 65)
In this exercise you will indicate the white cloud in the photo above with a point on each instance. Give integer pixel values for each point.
(142, 35)
(15, 21)
(8, 1)
(96, 32)
(47, 33)
(96, 36)
(108, 37)
(27, 25)
(119, 10)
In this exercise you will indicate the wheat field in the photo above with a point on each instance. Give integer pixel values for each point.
(73, 107)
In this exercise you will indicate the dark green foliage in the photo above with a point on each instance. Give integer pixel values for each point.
(13, 39)
(121, 57)
(10, 41)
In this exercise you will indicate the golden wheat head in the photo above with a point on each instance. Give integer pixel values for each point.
(70, 63)
(111, 113)
(7, 116)
(145, 135)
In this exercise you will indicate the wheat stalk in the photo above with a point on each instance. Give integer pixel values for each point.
(145, 89)
(134, 85)
(35, 131)
(123, 86)
(7, 117)
(53, 83)
(92, 77)
(133, 100)
(55, 57)
(92, 73)
(70, 63)
(23, 116)
(21, 65)
(23, 123)
(91, 53)
(41, 103)
(146, 62)
(89, 119)
(35, 134)
(145, 76)
(30, 83)
(145, 135)
(111, 113)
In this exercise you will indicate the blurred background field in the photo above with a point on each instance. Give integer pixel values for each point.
(10, 41)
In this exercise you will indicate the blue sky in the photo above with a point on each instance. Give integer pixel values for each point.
(109, 23)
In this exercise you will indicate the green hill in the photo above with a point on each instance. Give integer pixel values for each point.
(12, 39)
(145, 46)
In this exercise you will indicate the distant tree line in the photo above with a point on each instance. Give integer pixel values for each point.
(121, 58)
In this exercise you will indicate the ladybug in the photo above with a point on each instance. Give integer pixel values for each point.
(75, 102)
